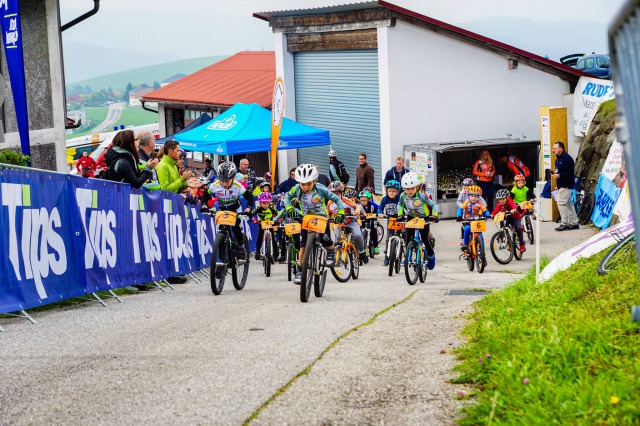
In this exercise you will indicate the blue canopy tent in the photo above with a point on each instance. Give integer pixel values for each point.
(246, 128)
(196, 123)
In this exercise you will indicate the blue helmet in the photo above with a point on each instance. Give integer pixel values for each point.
(392, 184)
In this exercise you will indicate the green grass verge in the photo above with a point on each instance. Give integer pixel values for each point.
(562, 352)
(137, 117)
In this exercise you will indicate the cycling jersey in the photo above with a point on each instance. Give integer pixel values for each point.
(268, 214)
(508, 206)
(315, 202)
(464, 196)
(229, 198)
(519, 194)
(389, 206)
(470, 209)
(371, 207)
(417, 206)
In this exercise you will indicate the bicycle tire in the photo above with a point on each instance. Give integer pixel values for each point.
(307, 268)
(471, 262)
(423, 270)
(391, 256)
(399, 257)
(218, 273)
(289, 262)
(266, 258)
(577, 204)
(240, 273)
(616, 254)
(380, 231)
(528, 226)
(371, 246)
(355, 262)
(342, 259)
(319, 283)
(481, 258)
(499, 240)
(517, 254)
(584, 215)
(411, 263)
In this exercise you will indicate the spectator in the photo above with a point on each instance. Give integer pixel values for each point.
(286, 186)
(169, 177)
(484, 170)
(209, 172)
(364, 174)
(337, 171)
(246, 169)
(564, 181)
(122, 161)
(396, 173)
(322, 178)
(147, 145)
(85, 162)
(515, 165)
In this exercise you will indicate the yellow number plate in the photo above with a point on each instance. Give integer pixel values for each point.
(371, 215)
(226, 218)
(478, 226)
(498, 217)
(292, 228)
(526, 205)
(314, 223)
(415, 223)
(266, 224)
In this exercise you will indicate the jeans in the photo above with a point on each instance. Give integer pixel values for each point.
(567, 211)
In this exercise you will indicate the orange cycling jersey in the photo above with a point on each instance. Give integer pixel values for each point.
(481, 168)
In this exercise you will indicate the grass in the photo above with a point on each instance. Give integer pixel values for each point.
(137, 117)
(607, 108)
(562, 352)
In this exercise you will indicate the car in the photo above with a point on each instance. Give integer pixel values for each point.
(595, 64)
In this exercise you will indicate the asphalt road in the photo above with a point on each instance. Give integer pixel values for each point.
(188, 357)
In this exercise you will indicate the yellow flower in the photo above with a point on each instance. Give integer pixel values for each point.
(615, 399)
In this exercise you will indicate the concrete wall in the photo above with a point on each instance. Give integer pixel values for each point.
(440, 89)
(45, 90)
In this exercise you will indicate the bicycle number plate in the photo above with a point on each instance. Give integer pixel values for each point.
(359, 222)
(497, 218)
(226, 218)
(526, 205)
(266, 224)
(394, 225)
(314, 223)
(371, 215)
(292, 228)
(478, 226)
(415, 223)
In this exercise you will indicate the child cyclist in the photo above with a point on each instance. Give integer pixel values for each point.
(507, 205)
(368, 206)
(415, 204)
(313, 198)
(228, 192)
(469, 209)
(464, 196)
(389, 208)
(265, 212)
(519, 189)
(351, 208)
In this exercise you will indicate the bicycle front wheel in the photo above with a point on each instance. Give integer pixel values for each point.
(380, 231)
(391, 254)
(341, 269)
(399, 256)
(219, 264)
(240, 273)
(266, 259)
(622, 251)
(412, 263)
(528, 226)
(422, 270)
(481, 258)
(355, 261)
(517, 254)
(500, 247)
(308, 263)
(290, 261)
(584, 215)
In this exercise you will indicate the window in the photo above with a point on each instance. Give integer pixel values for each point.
(588, 63)
(602, 62)
(580, 64)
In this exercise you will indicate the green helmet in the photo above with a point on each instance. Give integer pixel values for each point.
(365, 194)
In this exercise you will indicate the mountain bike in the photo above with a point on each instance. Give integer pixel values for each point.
(291, 229)
(313, 269)
(223, 257)
(267, 246)
(396, 245)
(527, 224)
(505, 244)
(366, 233)
(583, 200)
(623, 249)
(415, 261)
(347, 264)
(475, 254)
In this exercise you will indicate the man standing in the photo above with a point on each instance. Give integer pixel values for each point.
(364, 174)
(396, 173)
(88, 163)
(169, 177)
(515, 165)
(147, 145)
(337, 171)
(564, 181)
(286, 186)
(245, 169)
(208, 172)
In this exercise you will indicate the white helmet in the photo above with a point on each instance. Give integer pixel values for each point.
(306, 173)
(332, 153)
(410, 180)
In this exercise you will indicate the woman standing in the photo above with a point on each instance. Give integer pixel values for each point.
(484, 171)
(122, 160)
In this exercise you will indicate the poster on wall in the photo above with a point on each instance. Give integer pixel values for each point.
(587, 97)
(614, 164)
(546, 141)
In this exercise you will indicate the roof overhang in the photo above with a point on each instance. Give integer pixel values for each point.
(473, 144)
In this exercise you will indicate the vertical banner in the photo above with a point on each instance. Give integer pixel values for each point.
(277, 112)
(12, 39)
(606, 196)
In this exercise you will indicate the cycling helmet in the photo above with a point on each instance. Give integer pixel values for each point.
(502, 193)
(518, 177)
(306, 173)
(468, 182)
(332, 154)
(267, 176)
(392, 184)
(474, 190)
(226, 171)
(365, 193)
(239, 176)
(410, 180)
(368, 189)
(259, 181)
(336, 185)
(264, 197)
(265, 183)
(350, 193)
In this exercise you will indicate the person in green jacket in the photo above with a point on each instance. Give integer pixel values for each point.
(167, 171)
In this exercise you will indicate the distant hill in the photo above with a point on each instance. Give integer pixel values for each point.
(136, 76)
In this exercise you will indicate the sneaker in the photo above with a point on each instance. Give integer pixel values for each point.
(176, 280)
(562, 228)
(331, 258)
(241, 253)
(297, 279)
(141, 287)
(522, 248)
(385, 262)
(364, 257)
(258, 257)
(281, 258)
(431, 262)
(461, 242)
(572, 227)
(464, 247)
(376, 250)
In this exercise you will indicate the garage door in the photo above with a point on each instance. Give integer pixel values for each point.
(338, 91)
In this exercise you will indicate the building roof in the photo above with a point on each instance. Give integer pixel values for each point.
(246, 77)
(138, 89)
(545, 64)
(173, 78)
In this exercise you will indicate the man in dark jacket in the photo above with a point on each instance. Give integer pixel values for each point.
(286, 186)
(337, 171)
(364, 174)
(396, 173)
(564, 181)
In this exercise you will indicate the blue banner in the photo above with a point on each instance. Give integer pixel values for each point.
(12, 39)
(606, 196)
(68, 236)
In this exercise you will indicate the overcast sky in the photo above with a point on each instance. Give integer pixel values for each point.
(196, 28)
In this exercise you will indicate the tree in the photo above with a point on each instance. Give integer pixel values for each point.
(125, 95)
(156, 85)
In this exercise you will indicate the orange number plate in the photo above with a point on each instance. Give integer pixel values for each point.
(292, 228)
(266, 224)
(226, 218)
(393, 224)
(314, 223)
(371, 215)
(478, 226)
(526, 205)
(415, 223)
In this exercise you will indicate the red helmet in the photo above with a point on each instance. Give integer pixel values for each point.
(518, 177)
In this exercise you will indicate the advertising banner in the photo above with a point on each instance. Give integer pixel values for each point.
(614, 164)
(587, 97)
(68, 236)
(606, 196)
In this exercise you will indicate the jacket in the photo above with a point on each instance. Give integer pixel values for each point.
(480, 169)
(469, 209)
(417, 206)
(315, 202)
(389, 206)
(86, 162)
(286, 186)
(169, 176)
(564, 167)
(464, 196)
(364, 177)
(123, 168)
(517, 167)
(395, 174)
(508, 206)
(337, 171)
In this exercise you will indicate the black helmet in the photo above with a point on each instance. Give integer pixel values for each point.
(226, 171)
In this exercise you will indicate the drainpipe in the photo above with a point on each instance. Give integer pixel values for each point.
(142, 101)
(96, 6)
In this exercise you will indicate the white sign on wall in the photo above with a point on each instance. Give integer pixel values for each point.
(614, 161)
(589, 94)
